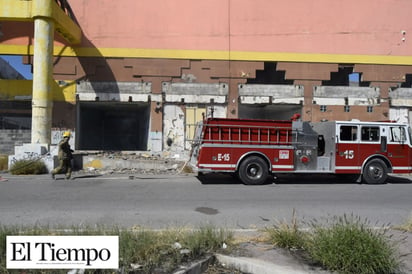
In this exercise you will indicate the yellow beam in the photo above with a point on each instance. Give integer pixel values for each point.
(216, 55)
(22, 90)
(27, 10)
(16, 10)
(15, 89)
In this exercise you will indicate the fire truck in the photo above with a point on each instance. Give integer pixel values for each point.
(254, 149)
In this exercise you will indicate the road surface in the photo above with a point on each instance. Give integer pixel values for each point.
(183, 200)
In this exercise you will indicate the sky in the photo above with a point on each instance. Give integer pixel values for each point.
(16, 62)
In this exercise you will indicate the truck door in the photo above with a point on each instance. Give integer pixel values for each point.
(399, 148)
(347, 149)
(372, 141)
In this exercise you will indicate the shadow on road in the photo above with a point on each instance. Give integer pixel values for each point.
(222, 178)
(315, 179)
(218, 178)
(392, 179)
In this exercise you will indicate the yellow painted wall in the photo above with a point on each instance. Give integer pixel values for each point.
(22, 89)
(193, 115)
(13, 89)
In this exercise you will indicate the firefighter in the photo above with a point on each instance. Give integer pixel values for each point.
(65, 157)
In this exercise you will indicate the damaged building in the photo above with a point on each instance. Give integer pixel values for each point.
(143, 73)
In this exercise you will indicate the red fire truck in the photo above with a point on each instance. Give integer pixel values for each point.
(254, 149)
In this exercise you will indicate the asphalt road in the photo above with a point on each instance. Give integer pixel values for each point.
(183, 200)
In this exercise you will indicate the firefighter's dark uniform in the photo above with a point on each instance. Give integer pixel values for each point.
(65, 158)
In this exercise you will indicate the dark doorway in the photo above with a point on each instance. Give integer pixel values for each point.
(271, 112)
(112, 126)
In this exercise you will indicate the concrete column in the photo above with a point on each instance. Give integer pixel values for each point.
(307, 110)
(42, 80)
(232, 99)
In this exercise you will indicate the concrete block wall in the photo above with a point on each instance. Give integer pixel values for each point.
(9, 138)
(33, 152)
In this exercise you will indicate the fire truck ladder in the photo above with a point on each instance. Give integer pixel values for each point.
(273, 135)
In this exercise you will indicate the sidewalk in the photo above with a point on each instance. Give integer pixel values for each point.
(258, 257)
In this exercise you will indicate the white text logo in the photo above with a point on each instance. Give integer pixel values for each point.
(62, 252)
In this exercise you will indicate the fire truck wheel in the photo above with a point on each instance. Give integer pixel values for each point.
(253, 171)
(375, 172)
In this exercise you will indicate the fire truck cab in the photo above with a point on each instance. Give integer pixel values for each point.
(254, 149)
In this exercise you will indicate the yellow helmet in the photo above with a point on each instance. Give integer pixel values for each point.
(66, 134)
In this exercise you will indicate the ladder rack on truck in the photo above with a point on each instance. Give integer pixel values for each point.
(253, 149)
(262, 132)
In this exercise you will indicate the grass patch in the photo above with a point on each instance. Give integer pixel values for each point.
(4, 159)
(341, 244)
(349, 245)
(28, 166)
(287, 235)
(140, 251)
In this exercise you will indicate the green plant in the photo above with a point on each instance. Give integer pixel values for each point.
(206, 239)
(286, 235)
(349, 245)
(167, 249)
(28, 166)
(4, 231)
(140, 251)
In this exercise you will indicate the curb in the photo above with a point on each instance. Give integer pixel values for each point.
(244, 264)
(197, 267)
(256, 266)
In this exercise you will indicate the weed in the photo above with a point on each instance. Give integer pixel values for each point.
(287, 235)
(141, 251)
(25, 167)
(349, 245)
(341, 244)
(206, 240)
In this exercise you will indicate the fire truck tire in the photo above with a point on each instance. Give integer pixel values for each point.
(253, 171)
(375, 172)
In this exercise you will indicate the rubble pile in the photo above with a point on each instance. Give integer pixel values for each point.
(134, 163)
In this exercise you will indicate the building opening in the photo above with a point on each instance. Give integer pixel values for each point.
(112, 126)
(271, 112)
(15, 115)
